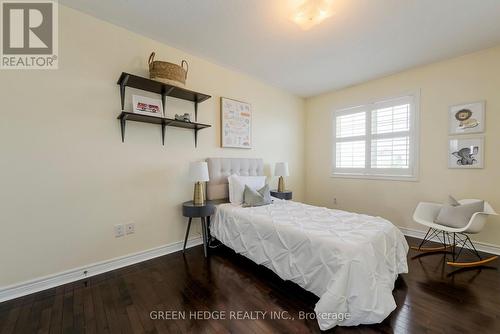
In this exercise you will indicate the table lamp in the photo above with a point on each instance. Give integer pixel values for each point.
(281, 169)
(198, 172)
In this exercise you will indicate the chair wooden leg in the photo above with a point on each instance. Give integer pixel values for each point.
(472, 264)
(464, 239)
(431, 249)
(464, 242)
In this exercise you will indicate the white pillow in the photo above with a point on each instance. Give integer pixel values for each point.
(234, 189)
(237, 186)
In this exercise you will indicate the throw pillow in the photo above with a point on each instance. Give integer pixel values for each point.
(252, 197)
(460, 215)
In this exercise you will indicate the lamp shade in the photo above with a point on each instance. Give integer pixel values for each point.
(281, 169)
(198, 171)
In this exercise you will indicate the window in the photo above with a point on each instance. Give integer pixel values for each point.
(377, 140)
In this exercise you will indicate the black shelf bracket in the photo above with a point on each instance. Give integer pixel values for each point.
(164, 102)
(123, 84)
(196, 111)
(123, 121)
(163, 131)
(196, 138)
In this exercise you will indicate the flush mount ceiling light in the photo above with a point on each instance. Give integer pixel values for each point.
(308, 13)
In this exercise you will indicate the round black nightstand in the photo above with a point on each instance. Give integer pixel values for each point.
(287, 194)
(198, 211)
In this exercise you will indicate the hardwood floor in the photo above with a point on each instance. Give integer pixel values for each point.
(432, 298)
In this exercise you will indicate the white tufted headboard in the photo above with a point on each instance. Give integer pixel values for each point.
(220, 168)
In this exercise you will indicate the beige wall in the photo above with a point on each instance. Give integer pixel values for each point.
(66, 178)
(465, 79)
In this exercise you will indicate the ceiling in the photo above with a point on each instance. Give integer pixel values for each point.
(365, 39)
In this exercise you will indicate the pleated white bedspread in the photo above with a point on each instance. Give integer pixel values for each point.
(349, 260)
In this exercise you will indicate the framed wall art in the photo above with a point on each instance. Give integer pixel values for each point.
(236, 123)
(466, 153)
(147, 106)
(467, 118)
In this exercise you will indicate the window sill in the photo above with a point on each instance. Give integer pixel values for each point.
(375, 177)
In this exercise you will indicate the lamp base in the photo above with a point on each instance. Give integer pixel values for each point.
(199, 194)
(281, 184)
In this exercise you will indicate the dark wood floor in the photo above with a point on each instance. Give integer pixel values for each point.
(432, 298)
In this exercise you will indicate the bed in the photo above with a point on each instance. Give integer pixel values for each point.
(350, 261)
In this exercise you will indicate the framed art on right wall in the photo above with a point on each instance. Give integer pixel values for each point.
(467, 118)
(466, 153)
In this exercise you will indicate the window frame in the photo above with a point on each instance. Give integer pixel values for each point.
(399, 174)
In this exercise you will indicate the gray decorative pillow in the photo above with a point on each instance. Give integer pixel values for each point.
(459, 215)
(259, 197)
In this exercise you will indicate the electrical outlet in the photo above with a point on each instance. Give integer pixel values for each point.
(335, 201)
(130, 228)
(119, 230)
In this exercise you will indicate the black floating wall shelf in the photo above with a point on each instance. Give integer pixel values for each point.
(165, 90)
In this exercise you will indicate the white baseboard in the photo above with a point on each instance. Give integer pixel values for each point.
(72, 275)
(51, 281)
(480, 246)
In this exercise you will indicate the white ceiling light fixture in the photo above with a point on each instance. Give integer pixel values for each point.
(308, 13)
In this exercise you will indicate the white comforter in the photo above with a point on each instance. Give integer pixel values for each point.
(349, 260)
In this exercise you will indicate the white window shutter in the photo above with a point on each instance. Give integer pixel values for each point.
(377, 139)
(350, 154)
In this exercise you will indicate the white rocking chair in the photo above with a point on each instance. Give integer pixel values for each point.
(426, 213)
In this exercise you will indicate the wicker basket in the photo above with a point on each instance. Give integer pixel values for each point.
(168, 73)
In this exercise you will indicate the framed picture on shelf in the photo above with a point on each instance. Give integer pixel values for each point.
(466, 153)
(236, 127)
(467, 118)
(147, 106)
